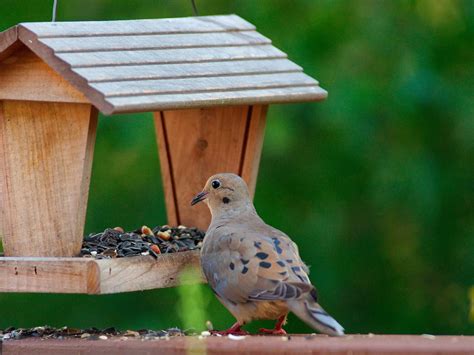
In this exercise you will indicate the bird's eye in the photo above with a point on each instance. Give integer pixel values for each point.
(216, 184)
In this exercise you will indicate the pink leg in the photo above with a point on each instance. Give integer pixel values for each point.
(278, 330)
(235, 330)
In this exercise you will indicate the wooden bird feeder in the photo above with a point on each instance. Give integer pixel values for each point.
(207, 80)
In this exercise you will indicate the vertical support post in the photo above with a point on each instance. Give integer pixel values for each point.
(46, 152)
(194, 144)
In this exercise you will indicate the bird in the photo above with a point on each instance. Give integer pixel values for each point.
(254, 269)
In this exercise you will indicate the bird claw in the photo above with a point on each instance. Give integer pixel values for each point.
(229, 331)
(280, 331)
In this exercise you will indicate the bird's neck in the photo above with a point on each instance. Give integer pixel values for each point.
(238, 214)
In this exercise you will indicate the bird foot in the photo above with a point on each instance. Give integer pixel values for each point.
(230, 331)
(236, 329)
(275, 331)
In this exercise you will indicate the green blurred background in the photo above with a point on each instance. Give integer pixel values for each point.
(376, 184)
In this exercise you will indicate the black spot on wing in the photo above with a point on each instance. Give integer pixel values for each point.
(232, 266)
(289, 261)
(295, 268)
(281, 263)
(258, 245)
(261, 255)
(277, 243)
(265, 264)
(314, 294)
(245, 269)
(243, 261)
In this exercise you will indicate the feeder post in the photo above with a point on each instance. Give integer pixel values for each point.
(194, 144)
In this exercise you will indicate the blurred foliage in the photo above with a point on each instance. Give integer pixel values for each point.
(376, 184)
(192, 302)
(471, 296)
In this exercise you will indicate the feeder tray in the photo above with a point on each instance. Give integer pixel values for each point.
(208, 81)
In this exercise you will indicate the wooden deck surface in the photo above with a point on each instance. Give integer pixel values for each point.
(297, 344)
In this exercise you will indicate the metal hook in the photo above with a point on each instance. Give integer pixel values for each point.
(55, 5)
(195, 10)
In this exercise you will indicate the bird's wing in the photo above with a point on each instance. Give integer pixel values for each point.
(243, 265)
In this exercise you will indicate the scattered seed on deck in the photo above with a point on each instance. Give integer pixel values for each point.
(47, 332)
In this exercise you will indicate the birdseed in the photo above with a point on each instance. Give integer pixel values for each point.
(116, 243)
(47, 332)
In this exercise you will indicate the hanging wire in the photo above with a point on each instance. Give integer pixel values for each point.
(55, 6)
(195, 9)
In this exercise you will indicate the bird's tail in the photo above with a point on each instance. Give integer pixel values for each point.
(315, 316)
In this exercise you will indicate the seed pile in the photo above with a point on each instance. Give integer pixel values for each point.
(115, 242)
(47, 332)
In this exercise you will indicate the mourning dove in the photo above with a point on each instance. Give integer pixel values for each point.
(254, 269)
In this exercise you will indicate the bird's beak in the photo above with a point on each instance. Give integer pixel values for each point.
(199, 197)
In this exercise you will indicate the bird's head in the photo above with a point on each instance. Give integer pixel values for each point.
(225, 192)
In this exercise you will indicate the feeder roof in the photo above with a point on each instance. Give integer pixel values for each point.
(150, 65)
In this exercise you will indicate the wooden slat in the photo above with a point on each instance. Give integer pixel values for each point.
(45, 154)
(266, 96)
(164, 56)
(49, 275)
(183, 70)
(145, 273)
(140, 27)
(207, 84)
(200, 143)
(353, 344)
(24, 76)
(86, 275)
(120, 43)
(7, 38)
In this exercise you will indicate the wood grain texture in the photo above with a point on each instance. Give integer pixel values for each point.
(9, 42)
(356, 344)
(218, 98)
(201, 142)
(186, 70)
(203, 85)
(90, 276)
(146, 273)
(8, 37)
(195, 144)
(24, 76)
(63, 69)
(49, 275)
(220, 23)
(45, 153)
(145, 42)
(169, 56)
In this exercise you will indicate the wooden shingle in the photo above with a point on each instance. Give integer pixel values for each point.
(152, 65)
